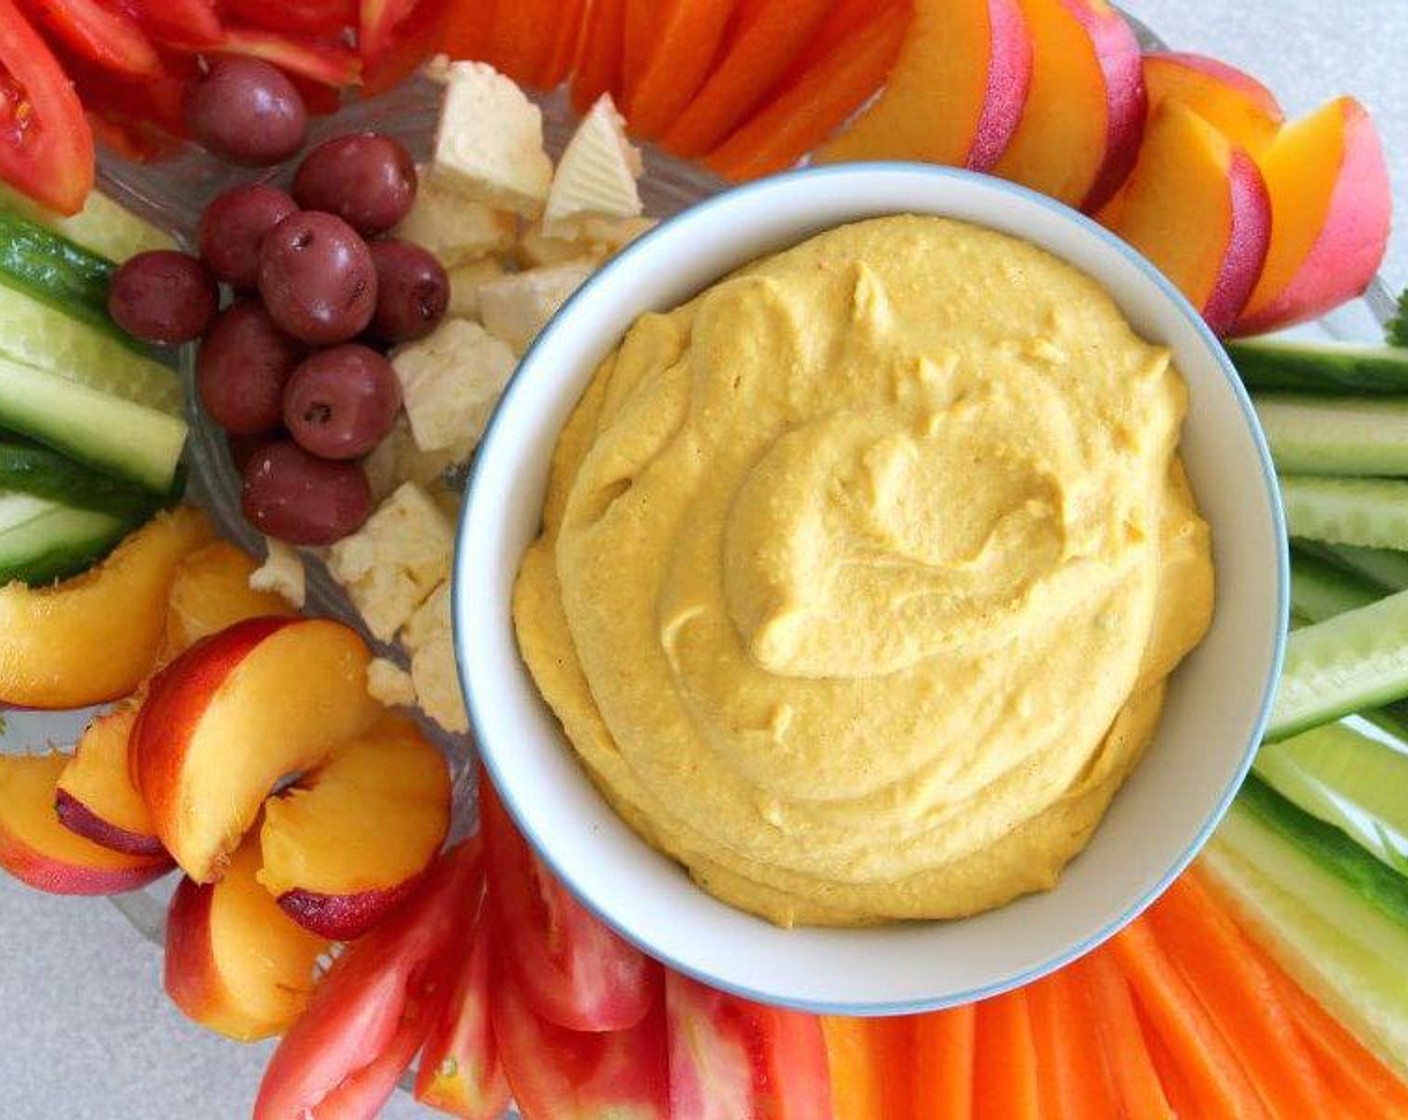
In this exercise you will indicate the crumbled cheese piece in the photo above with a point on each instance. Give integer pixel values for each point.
(518, 306)
(465, 280)
(455, 229)
(394, 561)
(450, 382)
(397, 459)
(389, 684)
(282, 572)
(489, 143)
(449, 501)
(596, 177)
(594, 238)
(604, 236)
(438, 684)
(437, 69)
(431, 619)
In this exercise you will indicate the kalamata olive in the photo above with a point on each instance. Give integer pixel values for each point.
(317, 278)
(247, 111)
(340, 403)
(242, 366)
(297, 497)
(163, 296)
(366, 179)
(234, 226)
(412, 290)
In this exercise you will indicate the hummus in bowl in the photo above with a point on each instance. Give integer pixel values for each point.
(785, 498)
(862, 572)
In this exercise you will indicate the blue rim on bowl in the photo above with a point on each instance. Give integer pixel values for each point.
(480, 694)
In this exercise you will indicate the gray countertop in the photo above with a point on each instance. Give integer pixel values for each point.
(85, 1031)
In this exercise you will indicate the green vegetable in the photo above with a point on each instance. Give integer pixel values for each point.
(1335, 435)
(1298, 365)
(44, 473)
(1321, 589)
(43, 540)
(103, 226)
(1386, 567)
(1396, 329)
(1367, 512)
(51, 268)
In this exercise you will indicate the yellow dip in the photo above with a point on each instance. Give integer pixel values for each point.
(861, 572)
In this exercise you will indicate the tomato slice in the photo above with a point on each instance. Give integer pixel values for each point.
(322, 60)
(314, 17)
(460, 1072)
(46, 144)
(573, 970)
(378, 1002)
(423, 33)
(558, 1074)
(111, 39)
(189, 25)
(377, 21)
(732, 1059)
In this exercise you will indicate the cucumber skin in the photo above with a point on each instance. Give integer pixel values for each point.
(1344, 368)
(1378, 884)
(62, 558)
(1367, 512)
(52, 268)
(47, 474)
(1320, 589)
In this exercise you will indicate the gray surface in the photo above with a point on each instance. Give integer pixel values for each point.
(85, 1032)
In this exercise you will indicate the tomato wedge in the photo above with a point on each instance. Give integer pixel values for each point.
(558, 1074)
(315, 17)
(731, 1059)
(378, 1002)
(46, 144)
(460, 1072)
(322, 60)
(188, 25)
(112, 40)
(573, 970)
(377, 21)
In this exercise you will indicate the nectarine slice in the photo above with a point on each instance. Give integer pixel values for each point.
(1330, 210)
(1233, 102)
(956, 93)
(94, 637)
(96, 797)
(234, 961)
(38, 850)
(344, 844)
(1197, 207)
(1079, 130)
(211, 591)
(230, 717)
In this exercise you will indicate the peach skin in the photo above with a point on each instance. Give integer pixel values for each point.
(1079, 131)
(1233, 102)
(1197, 207)
(1330, 213)
(234, 961)
(94, 637)
(96, 797)
(36, 849)
(956, 93)
(211, 591)
(276, 694)
(347, 842)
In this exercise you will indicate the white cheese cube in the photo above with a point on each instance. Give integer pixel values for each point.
(465, 280)
(489, 143)
(282, 572)
(438, 685)
(596, 177)
(397, 459)
(450, 382)
(592, 238)
(518, 306)
(389, 684)
(455, 229)
(393, 562)
(430, 620)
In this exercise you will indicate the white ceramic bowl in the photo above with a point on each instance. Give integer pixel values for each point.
(1218, 699)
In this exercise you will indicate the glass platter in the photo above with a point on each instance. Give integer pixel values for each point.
(172, 193)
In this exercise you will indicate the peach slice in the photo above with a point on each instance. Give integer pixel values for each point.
(1196, 206)
(346, 843)
(94, 637)
(1230, 100)
(96, 797)
(1330, 211)
(210, 592)
(235, 962)
(38, 850)
(1080, 128)
(230, 717)
(956, 93)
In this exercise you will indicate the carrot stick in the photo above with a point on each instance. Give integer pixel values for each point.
(1175, 1086)
(944, 1044)
(1211, 953)
(599, 55)
(869, 1061)
(815, 105)
(637, 42)
(567, 31)
(687, 38)
(1071, 1071)
(468, 28)
(770, 36)
(520, 41)
(1004, 1067)
(847, 20)
(1135, 1080)
(1213, 1074)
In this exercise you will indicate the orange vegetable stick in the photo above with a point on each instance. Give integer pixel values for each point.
(870, 1062)
(942, 1070)
(1004, 1066)
(770, 35)
(520, 41)
(1071, 1070)
(637, 42)
(567, 33)
(1211, 953)
(599, 56)
(1174, 1084)
(848, 18)
(1213, 1073)
(686, 43)
(1136, 1082)
(468, 27)
(816, 104)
